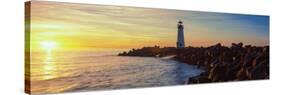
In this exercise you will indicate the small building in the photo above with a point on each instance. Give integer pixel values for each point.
(180, 40)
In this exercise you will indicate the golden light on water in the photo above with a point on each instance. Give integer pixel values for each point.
(79, 27)
(67, 41)
(49, 65)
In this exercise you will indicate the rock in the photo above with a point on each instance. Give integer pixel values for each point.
(220, 63)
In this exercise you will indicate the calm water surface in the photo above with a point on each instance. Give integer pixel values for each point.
(84, 71)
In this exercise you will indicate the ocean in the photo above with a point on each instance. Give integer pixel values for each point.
(87, 71)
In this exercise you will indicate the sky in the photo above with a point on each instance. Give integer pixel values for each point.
(71, 26)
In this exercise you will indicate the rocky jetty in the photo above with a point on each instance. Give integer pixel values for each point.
(221, 63)
(155, 51)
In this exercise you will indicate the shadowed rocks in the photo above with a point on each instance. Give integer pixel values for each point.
(220, 63)
(155, 51)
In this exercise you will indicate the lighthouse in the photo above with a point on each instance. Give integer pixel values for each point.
(180, 41)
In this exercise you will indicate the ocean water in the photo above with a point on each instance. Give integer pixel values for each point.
(87, 71)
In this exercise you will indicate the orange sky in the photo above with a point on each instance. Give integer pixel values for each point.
(82, 26)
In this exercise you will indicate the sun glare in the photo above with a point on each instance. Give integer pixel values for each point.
(48, 45)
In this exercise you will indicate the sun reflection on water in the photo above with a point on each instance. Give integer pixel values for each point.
(48, 62)
(48, 66)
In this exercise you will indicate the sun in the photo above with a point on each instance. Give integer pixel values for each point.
(48, 45)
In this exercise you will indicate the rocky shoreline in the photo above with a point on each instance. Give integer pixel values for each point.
(221, 63)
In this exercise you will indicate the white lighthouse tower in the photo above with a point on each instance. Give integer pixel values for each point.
(180, 41)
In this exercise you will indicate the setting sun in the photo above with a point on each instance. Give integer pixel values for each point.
(71, 47)
(49, 45)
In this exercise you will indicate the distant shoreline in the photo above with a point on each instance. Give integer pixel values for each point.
(221, 64)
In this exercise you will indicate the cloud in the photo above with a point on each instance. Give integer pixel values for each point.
(127, 27)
